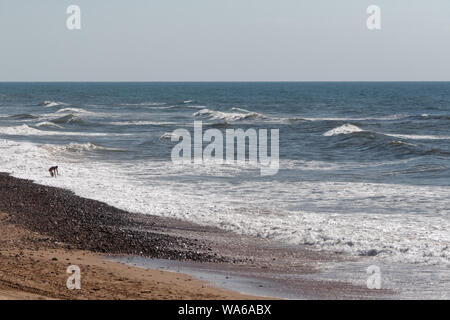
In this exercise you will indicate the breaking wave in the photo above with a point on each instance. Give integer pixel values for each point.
(79, 147)
(67, 119)
(241, 114)
(141, 123)
(23, 130)
(73, 110)
(169, 136)
(49, 104)
(350, 128)
(344, 129)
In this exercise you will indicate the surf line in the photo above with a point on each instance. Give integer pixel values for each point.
(235, 145)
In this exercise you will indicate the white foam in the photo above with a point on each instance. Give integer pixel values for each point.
(344, 129)
(78, 147)
(229, 116)
(401, 222)
(49, 104)
(240, 110)
(25, 130)
(169, 135)
(74, 110)
(417, 137)
(350, 128)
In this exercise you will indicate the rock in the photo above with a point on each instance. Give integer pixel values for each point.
(370, 253)
(81, 223)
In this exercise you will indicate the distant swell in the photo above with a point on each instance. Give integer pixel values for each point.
(144, 104)
(68, 119)
(23, 116)
(49, 104)
(25, 130)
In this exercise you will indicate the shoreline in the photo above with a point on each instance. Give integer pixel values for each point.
(34, 267)
(57, 222)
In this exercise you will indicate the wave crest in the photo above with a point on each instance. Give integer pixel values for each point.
(49, 104)
(241, 114)
(72, 110)
(169, 136)
(344, 129)
(67, 119)
(47, 124)
(144, 104)
(79, 147)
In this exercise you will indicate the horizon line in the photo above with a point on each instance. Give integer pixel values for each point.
(220, 81)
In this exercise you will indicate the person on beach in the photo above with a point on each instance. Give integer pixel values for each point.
(53, 171)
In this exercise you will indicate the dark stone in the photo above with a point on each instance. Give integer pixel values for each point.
(91, 225)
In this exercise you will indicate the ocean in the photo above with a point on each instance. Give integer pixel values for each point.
(364, 167)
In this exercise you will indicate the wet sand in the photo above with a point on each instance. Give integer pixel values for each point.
(33, 266)
(46, 229)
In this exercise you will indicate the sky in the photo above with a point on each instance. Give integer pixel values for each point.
(225, 40)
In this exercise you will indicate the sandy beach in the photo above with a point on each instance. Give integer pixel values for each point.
(44, 230)
(33, 266)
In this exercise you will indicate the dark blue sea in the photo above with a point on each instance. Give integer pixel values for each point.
(364, 167)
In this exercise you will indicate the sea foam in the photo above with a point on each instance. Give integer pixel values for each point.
(229, 116)
(344, 129)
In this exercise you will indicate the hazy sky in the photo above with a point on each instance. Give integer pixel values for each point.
(224, 40)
